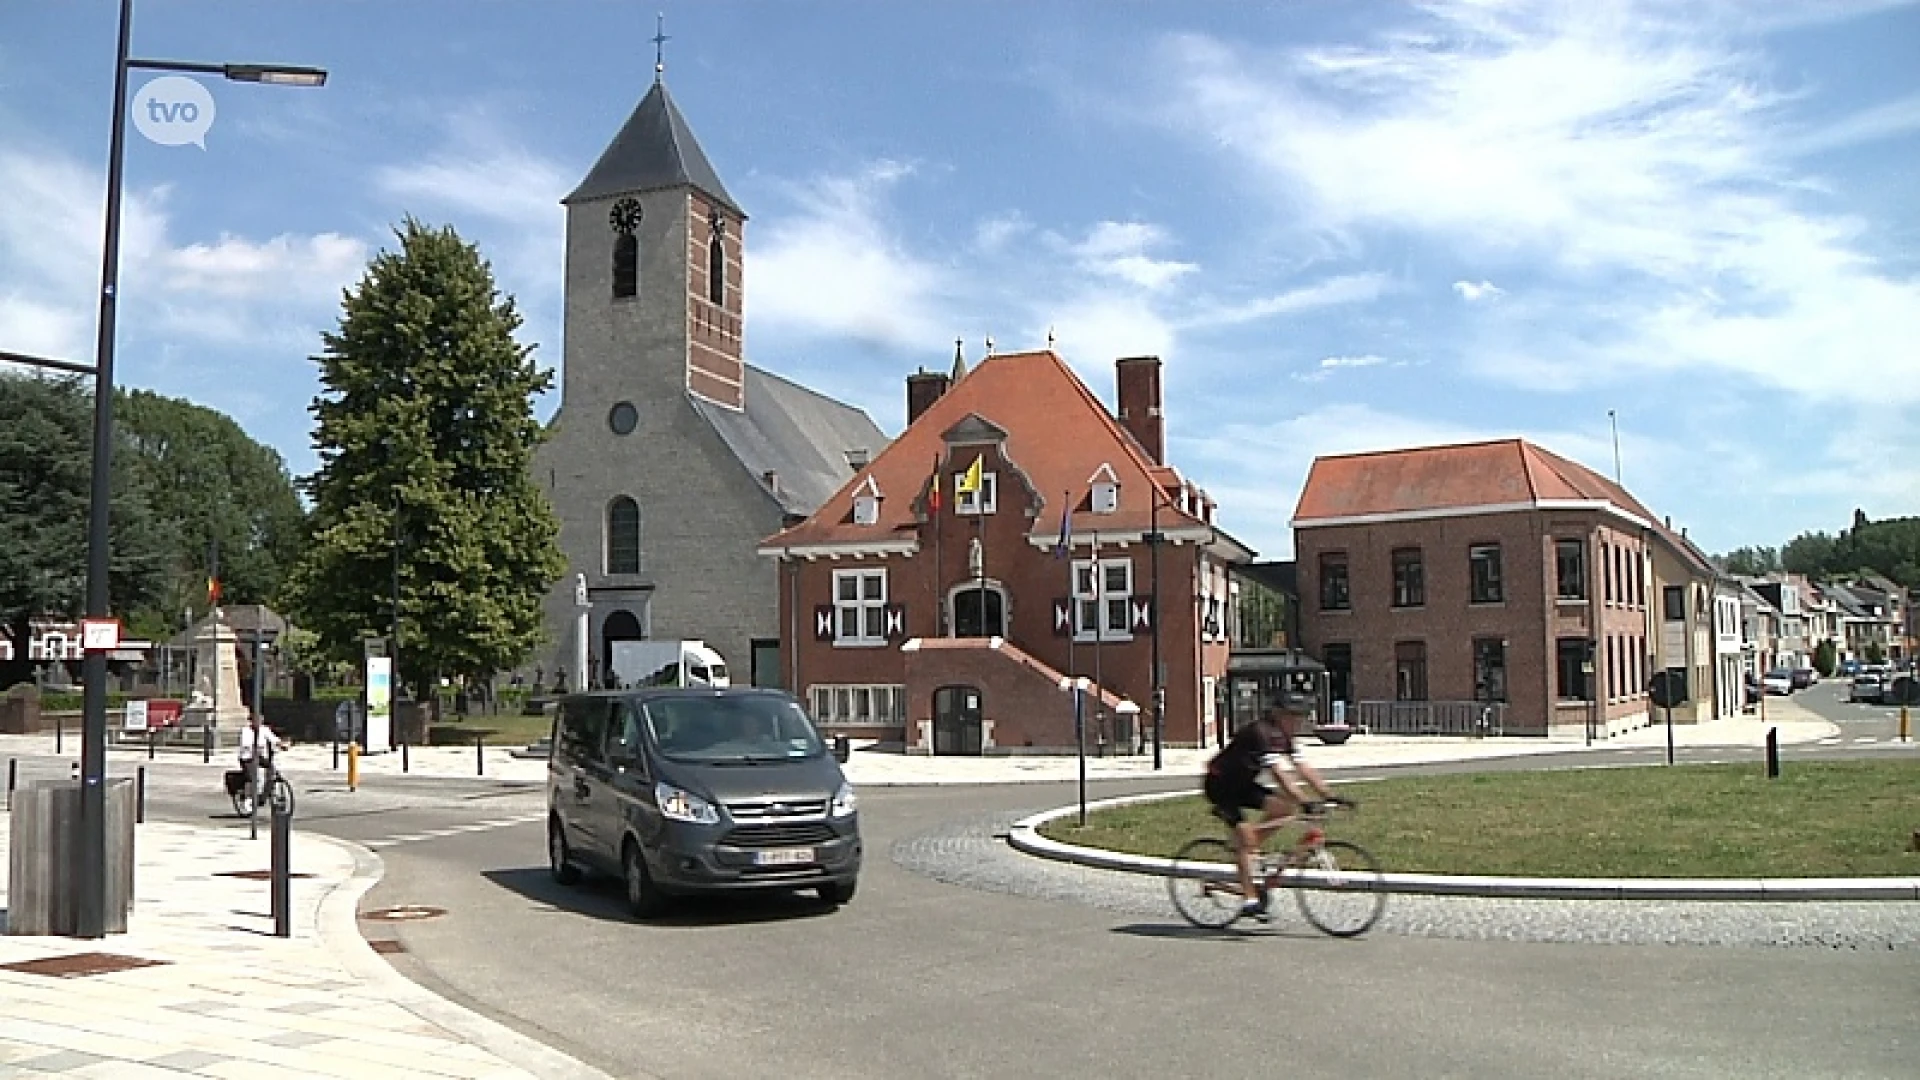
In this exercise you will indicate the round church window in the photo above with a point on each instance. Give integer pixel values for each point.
(624, 418)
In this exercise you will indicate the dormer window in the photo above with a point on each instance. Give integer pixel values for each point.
(866, 503)
(1105, 496)
(977, 502)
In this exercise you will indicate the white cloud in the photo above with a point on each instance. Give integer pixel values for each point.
(1882, 121)
(270, 294)
(992, 235)
(1634, 164)
(833, 268)
(1335, 291)
(1470, 292)
(1119, 249)
(1352, 361)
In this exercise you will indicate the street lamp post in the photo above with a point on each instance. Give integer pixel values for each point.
(91, 901)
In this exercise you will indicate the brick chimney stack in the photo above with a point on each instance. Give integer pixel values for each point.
(923, 389)
(1140, 406)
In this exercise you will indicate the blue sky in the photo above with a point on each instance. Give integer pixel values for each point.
(1343, 226)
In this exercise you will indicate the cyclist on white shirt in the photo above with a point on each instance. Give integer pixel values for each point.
(258, 744)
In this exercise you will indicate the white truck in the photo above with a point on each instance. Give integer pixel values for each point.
(667, 663)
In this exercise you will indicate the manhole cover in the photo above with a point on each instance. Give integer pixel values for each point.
(80, 964)
(387, 946)
(404, 913)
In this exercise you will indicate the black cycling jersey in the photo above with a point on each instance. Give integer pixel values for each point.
(1241, 760)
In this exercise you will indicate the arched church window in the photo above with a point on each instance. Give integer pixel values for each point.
(626, 267)
(625, 219)
(623, 536)
(717, 260)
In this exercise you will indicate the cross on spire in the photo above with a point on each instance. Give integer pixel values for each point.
(660, 40)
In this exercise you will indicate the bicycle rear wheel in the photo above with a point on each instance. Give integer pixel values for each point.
(1201, 895)
(1340, 889)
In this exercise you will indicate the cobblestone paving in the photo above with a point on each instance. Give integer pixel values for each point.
(968, 853)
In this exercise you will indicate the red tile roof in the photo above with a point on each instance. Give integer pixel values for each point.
(1058, 433)
(1504, 473)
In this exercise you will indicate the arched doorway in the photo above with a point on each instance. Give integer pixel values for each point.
(956, 721)
(979, 610)
(621, 625)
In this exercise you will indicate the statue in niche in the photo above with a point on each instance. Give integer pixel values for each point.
(580, 590)
(976, 561)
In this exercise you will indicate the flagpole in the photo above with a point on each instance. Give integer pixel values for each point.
(1099, 635)
(939, 562)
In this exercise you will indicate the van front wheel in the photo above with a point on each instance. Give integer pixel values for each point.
(643, 899)
(559, 859)
(835, 892)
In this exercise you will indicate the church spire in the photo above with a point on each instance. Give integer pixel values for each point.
(959, 364)
(655, 149)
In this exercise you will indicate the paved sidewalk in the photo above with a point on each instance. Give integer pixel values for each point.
(223, 997)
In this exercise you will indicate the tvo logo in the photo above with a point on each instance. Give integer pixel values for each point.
(174, 110)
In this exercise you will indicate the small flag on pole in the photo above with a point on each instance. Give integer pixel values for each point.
(933, 497)
(970, 480)
(213, 591)
(1065, 545)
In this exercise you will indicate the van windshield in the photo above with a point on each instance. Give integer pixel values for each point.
(725, 728)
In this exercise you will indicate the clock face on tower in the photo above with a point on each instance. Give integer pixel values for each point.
(625, 216)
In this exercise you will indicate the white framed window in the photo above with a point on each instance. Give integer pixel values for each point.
(859, 607)
(851, 705)
(1106, 497)
(1103, 600)
(986, 500)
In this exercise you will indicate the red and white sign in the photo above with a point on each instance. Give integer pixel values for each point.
(99, 635)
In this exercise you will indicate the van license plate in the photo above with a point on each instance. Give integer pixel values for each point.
(784, 856)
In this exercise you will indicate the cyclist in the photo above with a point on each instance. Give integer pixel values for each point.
(257, 746)
(1233, 785)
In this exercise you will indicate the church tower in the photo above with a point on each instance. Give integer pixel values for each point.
(654, 261)
(671, 457)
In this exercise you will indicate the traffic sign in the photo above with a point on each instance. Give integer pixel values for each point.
(1668, 688)
(1904, 691)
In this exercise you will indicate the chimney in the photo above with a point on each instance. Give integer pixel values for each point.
(923, 389)
(1140, 412)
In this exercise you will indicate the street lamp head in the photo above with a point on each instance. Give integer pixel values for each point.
(276, 74)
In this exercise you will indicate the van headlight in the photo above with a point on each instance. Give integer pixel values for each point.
(684, 805)
(845, 802)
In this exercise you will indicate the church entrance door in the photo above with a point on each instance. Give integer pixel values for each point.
(622, 625)
(979, 612)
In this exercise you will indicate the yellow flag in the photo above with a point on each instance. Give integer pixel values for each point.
(969, 480)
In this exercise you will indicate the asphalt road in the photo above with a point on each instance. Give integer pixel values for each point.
(944, 980)
(941, 979)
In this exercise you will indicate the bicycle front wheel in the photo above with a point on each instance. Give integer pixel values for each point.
(1200, 893)
(282, 796)
(1340, 889)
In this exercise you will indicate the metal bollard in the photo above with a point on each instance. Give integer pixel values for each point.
(140, 795)
(206, 744)
(59, 733)
(13, 776)
(1773, 752)
(336, 752)
(282, 873)
(353, 766)
(479, 755)
(403, 758)
(153, 740)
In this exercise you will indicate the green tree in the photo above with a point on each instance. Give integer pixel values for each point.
(212, 483)
(1876, 653)
(1750, 561)
(426, 434)
(1810, 553)
(1826, 658)
(46, 463)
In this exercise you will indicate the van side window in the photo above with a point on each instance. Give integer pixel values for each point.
(583, 727)
(625, 732)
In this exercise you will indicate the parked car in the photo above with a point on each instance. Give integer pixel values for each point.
(690, 790)
(1867, 688)
(1849, 667)
(1801, 678)
(1778, 682)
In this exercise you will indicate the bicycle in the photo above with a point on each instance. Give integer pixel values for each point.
(244, 803)
(1327, 877)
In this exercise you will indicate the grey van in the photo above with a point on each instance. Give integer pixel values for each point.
(690, 790)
